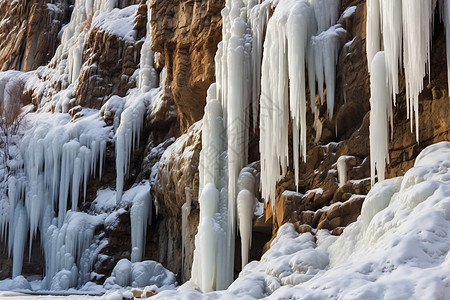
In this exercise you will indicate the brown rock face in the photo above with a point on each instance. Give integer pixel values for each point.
(108, 63)
(177, 184)
(186, 33)
(29, 32)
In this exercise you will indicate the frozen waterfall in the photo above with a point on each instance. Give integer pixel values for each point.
(256, 61)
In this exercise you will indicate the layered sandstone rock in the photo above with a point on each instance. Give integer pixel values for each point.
(186, 33)
(29, 32)
(176, 184)
(108, 62)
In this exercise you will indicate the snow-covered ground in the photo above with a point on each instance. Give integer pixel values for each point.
(397, 249)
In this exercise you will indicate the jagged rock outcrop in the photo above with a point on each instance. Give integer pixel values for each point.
(186, 33)
(29, 32)
(175, 185)
(109, 61)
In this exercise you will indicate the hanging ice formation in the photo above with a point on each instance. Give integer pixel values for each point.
(132, 118)
(72, 40)
(58, 155)
(402, 29)
(380, 113)
(251, 82)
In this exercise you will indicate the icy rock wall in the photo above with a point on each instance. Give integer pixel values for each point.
(287, 39)
(58, 157)
(288, 47)
(403, 29)
(61, 151)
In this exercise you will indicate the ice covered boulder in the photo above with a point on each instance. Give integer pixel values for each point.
(139, 274)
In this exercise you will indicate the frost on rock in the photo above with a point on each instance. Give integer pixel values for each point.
(72, 40)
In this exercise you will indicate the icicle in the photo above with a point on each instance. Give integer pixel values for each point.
(20, 236)
(148, 77)
(139, 215)
(416, 20)
(341, 165)
(391, 26)
(288, 31)
(127, 136)
(373, 30)
(298, 34)
(326, 13)
(323, 58)
(259, 16)
(380, 108)
(417, 29)
(76, 180)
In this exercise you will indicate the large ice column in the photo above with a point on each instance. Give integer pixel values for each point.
(224, 152)
(140, 215)
(208, 268)
(380, 111)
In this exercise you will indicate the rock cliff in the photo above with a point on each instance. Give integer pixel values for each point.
(185, 37)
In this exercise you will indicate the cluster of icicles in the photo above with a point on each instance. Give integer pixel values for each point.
(261, 67)
(398, 36)
(60, 156)
(249, 85)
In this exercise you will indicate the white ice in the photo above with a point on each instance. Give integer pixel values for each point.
(380, 113)
(397, 249)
